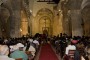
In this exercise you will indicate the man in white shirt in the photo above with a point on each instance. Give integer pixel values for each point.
(70, 47)
(32, 49)
(36, 42)
(30, 39)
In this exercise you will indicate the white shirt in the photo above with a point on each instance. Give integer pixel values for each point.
(13, 48)
(36, 42)
(32, 49)
(3, 57)
(30, 40)
(70, 47)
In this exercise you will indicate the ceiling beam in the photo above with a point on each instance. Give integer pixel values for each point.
(48, 1)
(45, 1)
(51, 3)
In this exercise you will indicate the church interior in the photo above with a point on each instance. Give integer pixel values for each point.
(45, 29)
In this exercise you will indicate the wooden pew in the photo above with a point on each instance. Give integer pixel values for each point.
(29, 55)
(19, 59)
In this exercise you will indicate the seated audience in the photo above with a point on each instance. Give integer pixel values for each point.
(31, 47)
(70, 47)
(32, 50)
(19, 53)
(36, 42)
(67, 55)
(88, 51)
(4, 51)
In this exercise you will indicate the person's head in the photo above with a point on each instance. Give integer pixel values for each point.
(74, 42)
(20, 46)
(4, 50)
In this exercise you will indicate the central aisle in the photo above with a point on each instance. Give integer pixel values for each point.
(47, 53)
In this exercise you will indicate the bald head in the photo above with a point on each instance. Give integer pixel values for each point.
(4, 50)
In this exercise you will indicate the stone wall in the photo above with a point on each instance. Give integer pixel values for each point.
(72, 16)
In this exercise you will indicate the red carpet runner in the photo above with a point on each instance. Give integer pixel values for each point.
(47, 53)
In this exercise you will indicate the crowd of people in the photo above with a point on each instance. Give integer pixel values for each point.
(80, 47)
(15, 48)
(26, 48)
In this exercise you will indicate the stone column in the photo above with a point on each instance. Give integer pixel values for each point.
(0, 25)
(66, 25)
(85, 9)
(76, 23)
(30, 24)
(65, 22)
(16, 18)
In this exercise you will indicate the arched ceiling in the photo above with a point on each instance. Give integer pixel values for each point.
(45, 11)
(45, 17)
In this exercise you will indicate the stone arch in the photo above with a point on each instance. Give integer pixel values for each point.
(7, 6)
(85, 11)
(41, 14)
(85, 3)
(9, 23)
(45, 12)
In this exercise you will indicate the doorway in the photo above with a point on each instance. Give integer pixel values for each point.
(44, 26)
(45, 30)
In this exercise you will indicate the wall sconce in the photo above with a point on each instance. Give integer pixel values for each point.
(20, 30)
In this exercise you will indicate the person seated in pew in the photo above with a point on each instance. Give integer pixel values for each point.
(36, 42)
(4, 52)
(77, 55)
(31, 48)
(13, 48)
(19, 53)
(71, 46)
(88, 52)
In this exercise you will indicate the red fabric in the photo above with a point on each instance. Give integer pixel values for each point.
(74, 41)
(67, 58)
(47, 53)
